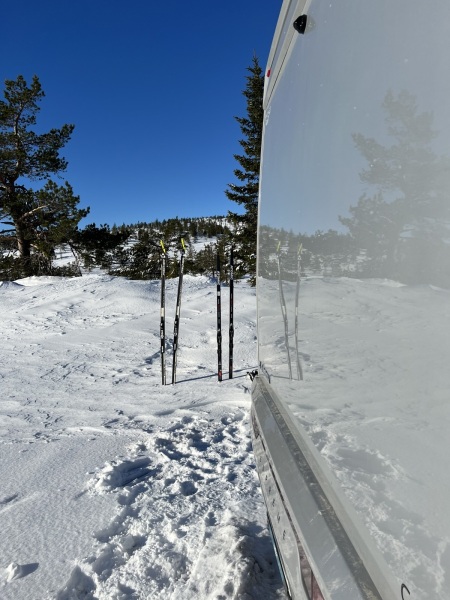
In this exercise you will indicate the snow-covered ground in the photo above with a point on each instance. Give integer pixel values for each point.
(116, 487)
(113, 486)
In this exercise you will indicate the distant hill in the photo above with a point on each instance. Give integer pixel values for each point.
(134, 251)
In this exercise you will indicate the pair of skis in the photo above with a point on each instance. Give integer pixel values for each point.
(219, 320)
(176, 327)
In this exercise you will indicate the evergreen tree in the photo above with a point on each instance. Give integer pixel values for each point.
(99, 246)
(246, 194)
(35, 220)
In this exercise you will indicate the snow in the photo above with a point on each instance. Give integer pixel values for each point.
(116, 487)
(112, 485)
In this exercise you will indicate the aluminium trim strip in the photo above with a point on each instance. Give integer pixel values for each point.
(363, 561)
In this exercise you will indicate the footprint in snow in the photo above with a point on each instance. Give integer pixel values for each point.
(170, 509)
(79, 585)
(125, 473)
(187, 488)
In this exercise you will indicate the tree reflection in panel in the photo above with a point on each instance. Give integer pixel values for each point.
(354, 266)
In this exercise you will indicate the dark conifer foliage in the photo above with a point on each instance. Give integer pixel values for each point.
(133, 251)
(34, 221)
(99, 246)
(246, 193)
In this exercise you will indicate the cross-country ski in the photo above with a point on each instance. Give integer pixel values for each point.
(219, 320)
(231, 326)
(162, 321)
(176, 326)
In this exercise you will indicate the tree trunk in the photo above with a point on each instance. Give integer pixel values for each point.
(24, 248)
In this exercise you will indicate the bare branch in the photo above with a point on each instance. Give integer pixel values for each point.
(31, 212)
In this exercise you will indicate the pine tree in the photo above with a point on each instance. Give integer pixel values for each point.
(36, 220)
(246, 194)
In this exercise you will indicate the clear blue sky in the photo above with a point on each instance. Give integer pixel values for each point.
(152, 88)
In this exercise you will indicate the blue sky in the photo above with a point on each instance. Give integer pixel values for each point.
(152, 88)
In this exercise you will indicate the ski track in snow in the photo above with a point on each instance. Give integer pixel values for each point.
(116, 487)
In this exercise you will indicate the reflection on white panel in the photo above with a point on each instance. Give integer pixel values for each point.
(354, 266)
